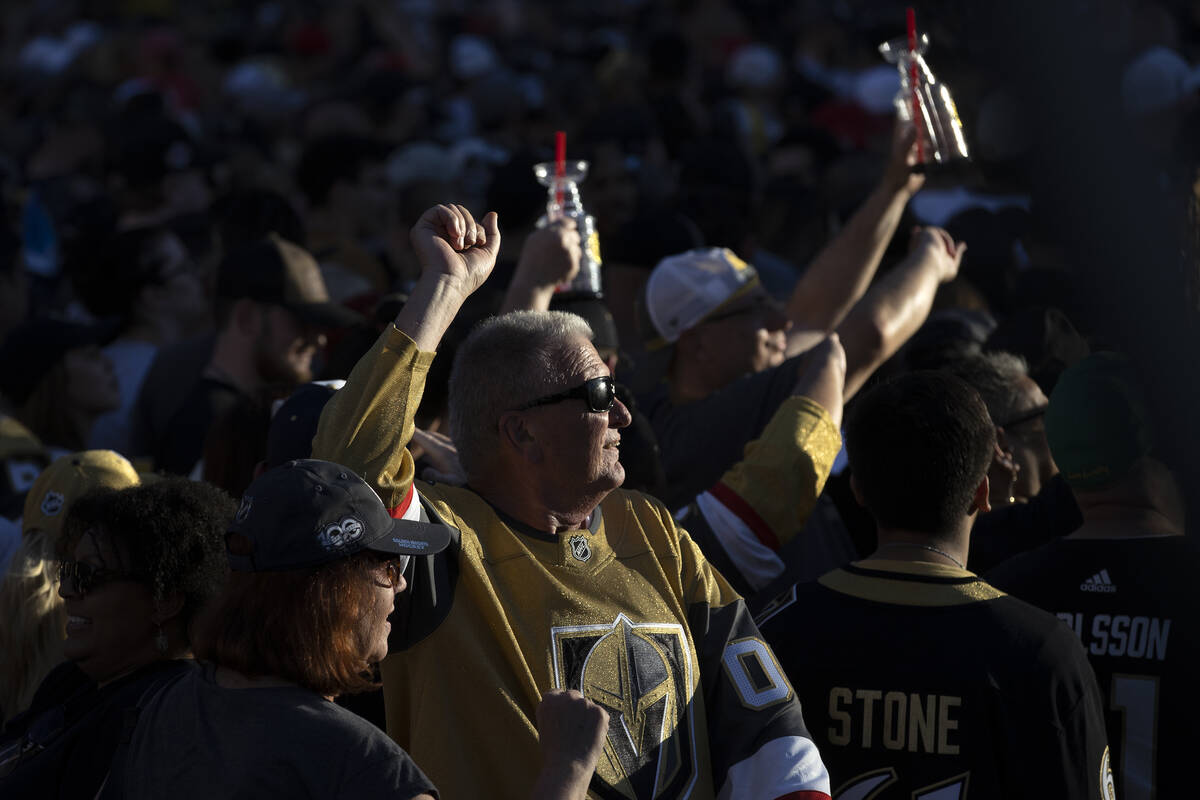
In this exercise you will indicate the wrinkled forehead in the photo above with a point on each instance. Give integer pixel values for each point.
(580, 360)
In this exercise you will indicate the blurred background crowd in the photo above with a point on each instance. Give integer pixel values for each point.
(143, 142)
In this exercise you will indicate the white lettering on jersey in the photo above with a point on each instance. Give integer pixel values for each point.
(1121, 635)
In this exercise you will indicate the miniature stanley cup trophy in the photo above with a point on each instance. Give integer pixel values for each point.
(939, 130)
(563, 201)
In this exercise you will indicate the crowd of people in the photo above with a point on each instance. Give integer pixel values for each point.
(318, 479)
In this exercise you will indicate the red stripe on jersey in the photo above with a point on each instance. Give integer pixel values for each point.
(734, 502)
(399, 511)
(804, 795)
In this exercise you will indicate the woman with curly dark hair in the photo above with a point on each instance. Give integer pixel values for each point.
(136, 566)
(317, 564)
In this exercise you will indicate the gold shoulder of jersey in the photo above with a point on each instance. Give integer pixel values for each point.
(898, 591)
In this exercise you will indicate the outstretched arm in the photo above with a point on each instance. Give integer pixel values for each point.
(550, 257)
(843, 270)
(456, 255)
(762, 502)
(897, 305)
(368, 423)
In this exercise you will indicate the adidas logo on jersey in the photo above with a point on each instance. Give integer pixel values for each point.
(1100, 582)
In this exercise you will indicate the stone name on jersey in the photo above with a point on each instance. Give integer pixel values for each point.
(926, 723)
(1120, 634)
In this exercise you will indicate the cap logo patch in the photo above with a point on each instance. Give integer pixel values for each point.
(244, 509)
(411, 543)
(53, 503)
(339, 535)
(580, 548)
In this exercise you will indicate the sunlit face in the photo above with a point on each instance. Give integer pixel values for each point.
(1025, 435)
(109, 629)
(747, 337)
(376, 627)
(91, 380)
(580, 448)
(285, 347)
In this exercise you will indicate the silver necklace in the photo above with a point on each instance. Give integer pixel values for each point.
(928, 547)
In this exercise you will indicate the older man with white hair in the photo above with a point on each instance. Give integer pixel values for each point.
(555, 577)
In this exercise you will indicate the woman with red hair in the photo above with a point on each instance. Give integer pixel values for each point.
(316, 562)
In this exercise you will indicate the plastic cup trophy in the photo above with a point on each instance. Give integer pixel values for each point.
(927, 102)
(561, 179)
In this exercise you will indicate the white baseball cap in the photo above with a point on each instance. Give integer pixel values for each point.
(685, 288)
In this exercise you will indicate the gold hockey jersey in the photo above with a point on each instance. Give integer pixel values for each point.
(627, 611)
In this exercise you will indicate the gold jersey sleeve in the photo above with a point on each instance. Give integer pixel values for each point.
(368, 423)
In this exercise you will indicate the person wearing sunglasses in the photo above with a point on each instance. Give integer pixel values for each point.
(317, 563)
(136, 566)
(32, 610)
(558, 578)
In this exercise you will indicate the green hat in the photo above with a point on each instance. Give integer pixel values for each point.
(1098, 423)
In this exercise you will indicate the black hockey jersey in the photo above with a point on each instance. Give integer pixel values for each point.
(921, 681)
(1130, 602)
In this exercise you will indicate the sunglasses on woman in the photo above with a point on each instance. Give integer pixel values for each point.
(85, 577)
(394, 571)
(598, 393)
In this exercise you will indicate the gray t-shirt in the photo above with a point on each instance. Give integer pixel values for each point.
(196, 739)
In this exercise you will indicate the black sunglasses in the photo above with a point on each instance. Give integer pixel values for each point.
(599, 394)
(85, 577)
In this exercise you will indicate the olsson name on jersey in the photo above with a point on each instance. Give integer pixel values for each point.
(909, 721)
(1120, 634)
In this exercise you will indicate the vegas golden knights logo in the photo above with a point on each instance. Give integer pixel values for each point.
(641, 674)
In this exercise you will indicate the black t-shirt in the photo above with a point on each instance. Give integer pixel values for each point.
(63, 745)
(199, 740)
(699, 441)
(922, 681)
(1132, 604)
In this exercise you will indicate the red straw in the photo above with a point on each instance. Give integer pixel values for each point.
(911, 19)
(560, 164)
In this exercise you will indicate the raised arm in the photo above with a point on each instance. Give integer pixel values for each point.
(550, 257)
(456, 255)
(842, 271)
(763, 501)
(897, 305)
(368, 423)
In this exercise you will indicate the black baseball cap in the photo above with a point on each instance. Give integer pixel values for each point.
(274, 270)
(311, 512)
(294, 423)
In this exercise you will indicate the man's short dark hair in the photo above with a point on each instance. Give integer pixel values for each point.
(919, 445)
